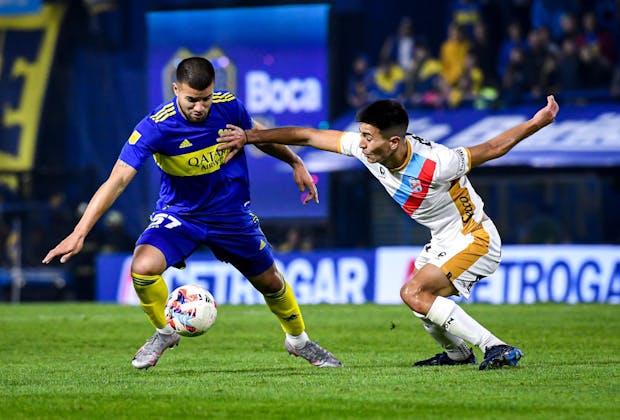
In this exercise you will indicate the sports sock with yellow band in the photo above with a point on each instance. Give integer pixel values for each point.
(152, 291)
(284, 305)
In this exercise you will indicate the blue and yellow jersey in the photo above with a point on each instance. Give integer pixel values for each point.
(194, 180)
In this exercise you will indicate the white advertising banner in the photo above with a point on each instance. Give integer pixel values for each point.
(527, 274)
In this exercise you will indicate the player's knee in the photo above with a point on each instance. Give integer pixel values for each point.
(148, 261)
(412, 295)
(270, 281)
(144, 267)
(271, 284)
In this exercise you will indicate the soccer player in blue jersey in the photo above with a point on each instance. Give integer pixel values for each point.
(202, 201)
(429, 182)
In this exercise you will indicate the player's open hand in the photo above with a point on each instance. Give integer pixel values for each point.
(546, 115)
(233, 139)
(69, 246)
(304, 181)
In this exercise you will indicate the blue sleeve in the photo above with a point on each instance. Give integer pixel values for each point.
(139, 146)
(245, 120)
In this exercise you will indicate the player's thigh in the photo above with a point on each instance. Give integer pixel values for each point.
(173, 236)
(245, 247)
(467, 260)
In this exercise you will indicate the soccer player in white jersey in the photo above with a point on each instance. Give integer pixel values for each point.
(429, 182)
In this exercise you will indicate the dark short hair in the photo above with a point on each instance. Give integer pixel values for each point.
(196, 72)
(385, 114)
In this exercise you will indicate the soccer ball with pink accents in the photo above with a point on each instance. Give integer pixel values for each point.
(190, 310)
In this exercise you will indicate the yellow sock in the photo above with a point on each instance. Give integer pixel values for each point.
(153, 292)
(284, 305)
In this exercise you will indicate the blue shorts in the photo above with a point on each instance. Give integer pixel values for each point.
(239, 242)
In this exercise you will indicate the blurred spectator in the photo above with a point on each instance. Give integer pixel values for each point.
(541, 65)
(568, 77)
(42, 223)
(465, 14)
(114, 236)
(544, 36)
(485, 53)
(535, 53)
(547, 82)
(596, 54)
(597, 38)
(594, 71)
(514, 40)
(400, 47)
(296, 241)
(569, 28)
(514, 82)
(359, 83)
(423, 84)
(389, 81)
(539, 226)
(468, 86)
(549, 13)
(452, 55)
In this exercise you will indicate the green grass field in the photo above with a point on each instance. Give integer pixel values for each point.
(73, 361)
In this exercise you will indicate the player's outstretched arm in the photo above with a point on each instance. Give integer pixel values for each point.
(504, 142)
(235, 137)
(103, 198)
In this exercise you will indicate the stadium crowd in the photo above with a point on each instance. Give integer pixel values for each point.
(567, 48)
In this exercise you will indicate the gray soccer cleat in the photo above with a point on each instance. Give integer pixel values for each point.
(151, 351)
(314, 354)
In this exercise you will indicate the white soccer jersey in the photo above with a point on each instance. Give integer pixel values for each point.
(431, 186)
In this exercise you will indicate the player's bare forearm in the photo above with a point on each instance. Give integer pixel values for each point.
(504, 142)
(301, 136)
(235, 137)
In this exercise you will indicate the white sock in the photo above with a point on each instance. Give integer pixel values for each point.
(298, 341)
(456, 348)
(447, 314)
(167, 330)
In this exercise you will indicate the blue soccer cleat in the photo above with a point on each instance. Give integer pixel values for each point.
(501, 355)
(442, 359)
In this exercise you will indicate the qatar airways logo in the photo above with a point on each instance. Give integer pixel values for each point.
(267, 94)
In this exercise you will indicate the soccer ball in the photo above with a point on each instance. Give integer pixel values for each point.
(190, 310)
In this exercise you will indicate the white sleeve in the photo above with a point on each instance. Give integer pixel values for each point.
(453, 163)
(349, 143)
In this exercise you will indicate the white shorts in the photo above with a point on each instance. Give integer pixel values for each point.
(468, 259)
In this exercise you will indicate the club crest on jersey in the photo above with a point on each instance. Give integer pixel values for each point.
(415, 184)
